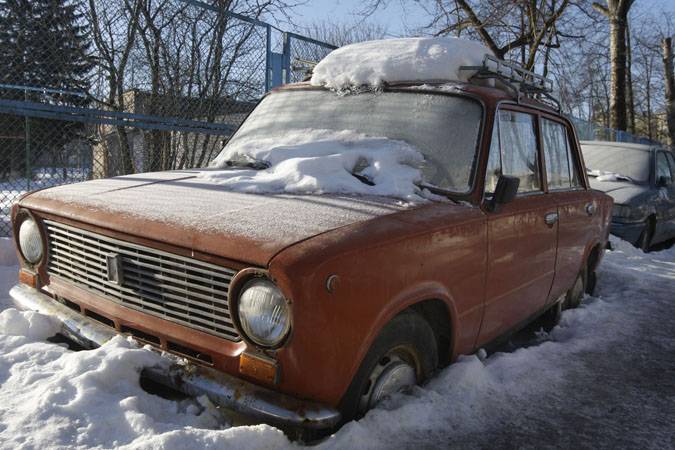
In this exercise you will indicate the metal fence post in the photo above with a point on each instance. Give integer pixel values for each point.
(268, 59)
(286, 58)
(28, 169)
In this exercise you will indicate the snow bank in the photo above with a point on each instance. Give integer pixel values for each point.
(321, 162)
(32, 325)
(602, 378)
(373, 63)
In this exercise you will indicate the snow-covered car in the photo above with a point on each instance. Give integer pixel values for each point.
(640, 178)
(357, 232)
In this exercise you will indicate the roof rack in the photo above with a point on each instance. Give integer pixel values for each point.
(521, 80)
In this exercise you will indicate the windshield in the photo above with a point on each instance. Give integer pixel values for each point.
(445, 129)
(625, 162)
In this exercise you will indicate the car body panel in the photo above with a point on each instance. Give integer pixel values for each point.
(353, 264)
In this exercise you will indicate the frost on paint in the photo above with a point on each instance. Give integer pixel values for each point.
(319, 162)
(373, 63)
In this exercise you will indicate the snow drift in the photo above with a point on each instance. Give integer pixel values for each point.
(311, 161)
(373, 63)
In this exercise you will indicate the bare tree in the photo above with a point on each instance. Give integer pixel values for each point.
(114, 35)
(667, 45)
(616, 12)
(341, 34)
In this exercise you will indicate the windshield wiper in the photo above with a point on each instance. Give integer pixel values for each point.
(248, 163)
(437, 190)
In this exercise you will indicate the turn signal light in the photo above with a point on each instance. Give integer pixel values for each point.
(29, 278)
(260, 368)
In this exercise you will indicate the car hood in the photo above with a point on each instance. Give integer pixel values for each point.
(621, 191)
(179, 209)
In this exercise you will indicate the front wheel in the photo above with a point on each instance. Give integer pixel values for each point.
(403, 355)
(645, 241)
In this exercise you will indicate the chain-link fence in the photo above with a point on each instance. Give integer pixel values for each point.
(99, 88)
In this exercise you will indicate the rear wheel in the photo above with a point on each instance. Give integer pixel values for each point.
(403, 355)
(576, 292)
(552, 316)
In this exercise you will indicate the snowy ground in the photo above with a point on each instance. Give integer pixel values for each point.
(603, 378)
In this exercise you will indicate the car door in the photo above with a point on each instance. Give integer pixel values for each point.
(665, 224)
(522, 234)
(576, 209)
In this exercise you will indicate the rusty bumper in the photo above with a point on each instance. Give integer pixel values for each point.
(222, 389)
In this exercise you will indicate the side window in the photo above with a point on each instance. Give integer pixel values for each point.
(494, 166)
(561, 169)
(518, 143)
(662, 167)
(556, 155)
(671, 159)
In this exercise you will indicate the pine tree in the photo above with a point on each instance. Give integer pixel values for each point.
(44, 44)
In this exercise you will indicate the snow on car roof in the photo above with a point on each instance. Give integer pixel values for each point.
(374, 63)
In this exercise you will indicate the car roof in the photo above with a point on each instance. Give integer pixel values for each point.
(624, 145)
(444, 87)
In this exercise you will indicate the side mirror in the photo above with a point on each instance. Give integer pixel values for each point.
(505, 192)
(663, 181)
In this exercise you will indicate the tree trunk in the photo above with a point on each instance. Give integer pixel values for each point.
(630, 100)
(617, 58)
(667, 45)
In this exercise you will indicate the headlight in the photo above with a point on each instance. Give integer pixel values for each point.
(30, 241)
(264, 315)
(626, 212)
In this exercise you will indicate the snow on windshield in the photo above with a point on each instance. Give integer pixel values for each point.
(608, 159)
(320, 161)
(373, 63)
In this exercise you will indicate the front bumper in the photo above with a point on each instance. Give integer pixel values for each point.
(222, 389)
(628, 231)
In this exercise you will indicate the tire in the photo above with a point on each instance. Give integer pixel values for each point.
(407, 339)
(576, 292)
(552, 316)
(644, 243)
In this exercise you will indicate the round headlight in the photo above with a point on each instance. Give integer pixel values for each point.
(264, 315)
(30, 241)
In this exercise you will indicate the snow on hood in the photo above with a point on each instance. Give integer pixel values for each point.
(311, 161)
(373, 63)
(182, 199)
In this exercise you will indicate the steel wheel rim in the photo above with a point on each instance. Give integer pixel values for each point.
(395, 372)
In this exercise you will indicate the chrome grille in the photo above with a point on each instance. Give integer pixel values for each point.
(172, 287)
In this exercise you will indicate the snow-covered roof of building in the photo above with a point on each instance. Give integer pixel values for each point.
(374, 63)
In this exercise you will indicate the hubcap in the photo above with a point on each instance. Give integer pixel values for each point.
(391, 375)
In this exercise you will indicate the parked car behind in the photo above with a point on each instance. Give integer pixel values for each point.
(640, 180)
(468, 214)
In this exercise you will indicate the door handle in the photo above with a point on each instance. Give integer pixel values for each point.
(551, 219)
(591, 208)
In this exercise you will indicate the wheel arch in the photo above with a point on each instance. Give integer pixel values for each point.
(435, 304)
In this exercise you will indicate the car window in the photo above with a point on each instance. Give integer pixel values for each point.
(494, 167)
(671, 159)
(561, 171)
(662, 167)
(556, 155)
(518, 144)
